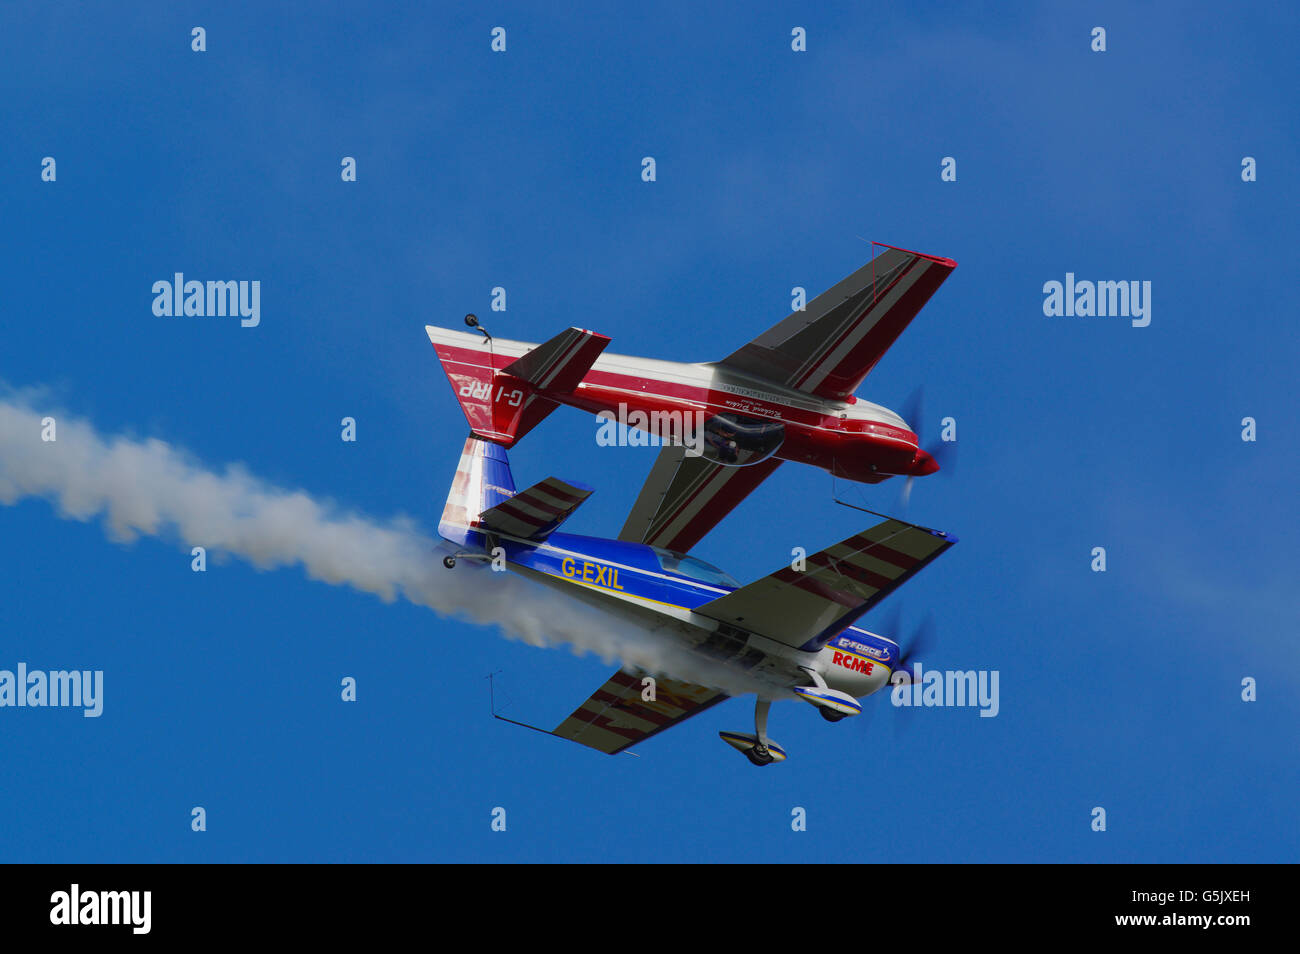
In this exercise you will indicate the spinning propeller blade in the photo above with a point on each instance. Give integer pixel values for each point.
(943, 452)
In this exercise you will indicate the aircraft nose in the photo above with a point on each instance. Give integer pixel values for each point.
(923, 464)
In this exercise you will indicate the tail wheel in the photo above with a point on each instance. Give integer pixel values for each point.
(449, 562)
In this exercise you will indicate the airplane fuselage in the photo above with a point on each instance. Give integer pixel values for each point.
(853, 439)
(745, 419)
(632, 581)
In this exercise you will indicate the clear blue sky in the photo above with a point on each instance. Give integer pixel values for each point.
(522, 169)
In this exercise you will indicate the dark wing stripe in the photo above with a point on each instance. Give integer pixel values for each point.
(615, 717)
(686, 497)
(854, 316)
(539, 509)
(830, 347)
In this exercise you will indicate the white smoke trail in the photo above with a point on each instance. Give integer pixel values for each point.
(150, 488)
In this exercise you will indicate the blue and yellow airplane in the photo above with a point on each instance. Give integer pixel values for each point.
(788, 635)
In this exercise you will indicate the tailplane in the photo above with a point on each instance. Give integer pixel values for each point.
(502, 386)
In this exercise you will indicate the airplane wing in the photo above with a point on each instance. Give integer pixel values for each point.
(830, 346)
(686, 497)
(616, 717)
(804, 609)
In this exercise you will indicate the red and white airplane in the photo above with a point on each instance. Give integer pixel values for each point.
(787, 395)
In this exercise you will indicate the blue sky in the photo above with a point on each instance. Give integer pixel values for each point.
(522, 169)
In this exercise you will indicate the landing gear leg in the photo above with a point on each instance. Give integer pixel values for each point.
(761, 708)
(817, 679)
(760, 754)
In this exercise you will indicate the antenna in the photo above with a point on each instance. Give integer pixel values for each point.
(472, 321)
(492, 697)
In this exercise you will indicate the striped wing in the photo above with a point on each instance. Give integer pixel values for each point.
(535, 513)
(830, 346)
(805, 608)
(686, 497)
(556, 367)
(616, 717)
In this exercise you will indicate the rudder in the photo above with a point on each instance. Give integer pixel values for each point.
(483, 480)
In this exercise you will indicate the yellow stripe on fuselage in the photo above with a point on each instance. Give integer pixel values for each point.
(605, 589)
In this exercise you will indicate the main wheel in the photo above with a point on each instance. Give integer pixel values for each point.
(760, 755)
(829, 715)
(449, 562)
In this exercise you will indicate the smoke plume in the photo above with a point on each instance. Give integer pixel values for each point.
(152, 489)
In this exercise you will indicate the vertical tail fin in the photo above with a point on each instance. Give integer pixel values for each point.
(482, 481)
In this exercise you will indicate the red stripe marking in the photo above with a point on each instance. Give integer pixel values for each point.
(882, 552)
(520, 501)
(856, 573)
(602, 722)
(856, 323)
(721, 473)
(554, 490)
(812, 585)
(883, 333)
(509, 510)
(740, 482)
(624, 679)
(632, 708)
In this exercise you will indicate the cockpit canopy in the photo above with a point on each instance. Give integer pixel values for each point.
(737, 440)
(693, 568)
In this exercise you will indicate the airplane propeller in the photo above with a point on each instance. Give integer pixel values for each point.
(918, 645)
(943, 452)
(921, 644)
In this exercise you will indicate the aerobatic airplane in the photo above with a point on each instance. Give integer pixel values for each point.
(787, 395)
(786, 636)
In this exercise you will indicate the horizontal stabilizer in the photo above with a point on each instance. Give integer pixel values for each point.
(535, 513)
(559, 365)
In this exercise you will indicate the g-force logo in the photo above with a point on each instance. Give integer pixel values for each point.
(594, 573)
(846, 643)
(853, 662)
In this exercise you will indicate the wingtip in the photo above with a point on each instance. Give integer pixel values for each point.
(940, 533)
(937, 259)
